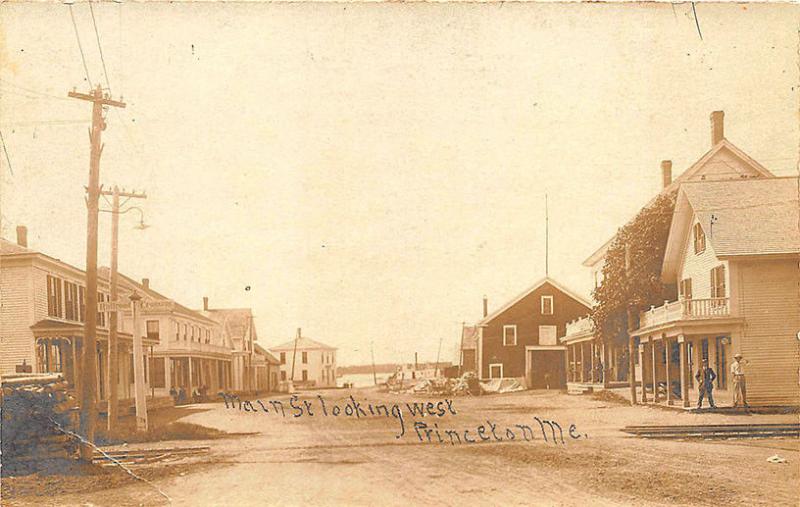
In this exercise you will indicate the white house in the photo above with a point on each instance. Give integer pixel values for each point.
(313, 363)
(42, 316)
(733, 250)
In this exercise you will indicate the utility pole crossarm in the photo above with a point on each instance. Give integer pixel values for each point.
(137, 195)
(106, 101)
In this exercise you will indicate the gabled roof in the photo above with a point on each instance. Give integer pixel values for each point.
(685, 177)
(105, 273)
(10, 248)
(469, 337)
(264, 352)
(302, 343)
(525, 293)
(750, 217)
(237, 323)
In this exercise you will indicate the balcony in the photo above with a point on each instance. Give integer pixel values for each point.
(685, 309)
(579, 328)
(196, 347)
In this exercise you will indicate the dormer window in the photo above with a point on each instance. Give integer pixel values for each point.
(547, 305)
(509, 335)
(699, 239)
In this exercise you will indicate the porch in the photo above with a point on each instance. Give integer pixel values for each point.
(673, 340)
(592, 366)
(59, 349)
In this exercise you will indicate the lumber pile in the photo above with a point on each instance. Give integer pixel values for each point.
(33, 408)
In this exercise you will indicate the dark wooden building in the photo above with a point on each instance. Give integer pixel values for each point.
(520, 339)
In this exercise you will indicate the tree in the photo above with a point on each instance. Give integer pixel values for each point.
(632, 271)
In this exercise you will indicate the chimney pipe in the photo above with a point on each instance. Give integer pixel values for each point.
(717, 127)
(146, 283)
(666, 172)
(22, 236)
(205, 303)
(485, 306)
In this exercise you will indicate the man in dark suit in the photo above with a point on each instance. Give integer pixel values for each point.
(705, 382)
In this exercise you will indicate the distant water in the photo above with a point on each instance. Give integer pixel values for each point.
(361, 379)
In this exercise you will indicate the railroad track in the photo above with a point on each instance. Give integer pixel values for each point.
(715, 431)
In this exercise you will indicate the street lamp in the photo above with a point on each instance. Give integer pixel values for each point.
(113, 354)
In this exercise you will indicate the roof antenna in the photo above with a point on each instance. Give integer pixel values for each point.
(546, 239)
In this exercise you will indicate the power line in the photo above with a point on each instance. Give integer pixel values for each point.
(80, 46)
(99, 46)
(8, 159)
(30, 90)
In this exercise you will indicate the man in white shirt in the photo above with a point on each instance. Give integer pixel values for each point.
(739, 385)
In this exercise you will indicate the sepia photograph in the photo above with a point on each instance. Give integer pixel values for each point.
(300, 253)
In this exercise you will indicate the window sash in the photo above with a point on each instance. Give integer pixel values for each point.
(718, 282)
(547, 305)
(506, 335)
(699, 239)
(153, 332)
(685, 288)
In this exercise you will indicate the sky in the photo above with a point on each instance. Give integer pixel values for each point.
(371, 171)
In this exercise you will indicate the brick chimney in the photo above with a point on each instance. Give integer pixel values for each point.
(717, 127)
(485, 306)
(146, 283)
(22, 236)
(666, 172)
(205, 303)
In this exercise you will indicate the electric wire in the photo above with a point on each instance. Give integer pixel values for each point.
(80, 46)
(99, 46)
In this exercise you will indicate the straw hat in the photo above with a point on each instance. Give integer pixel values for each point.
(737, 355)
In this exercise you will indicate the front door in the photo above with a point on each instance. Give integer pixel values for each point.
(546, 369)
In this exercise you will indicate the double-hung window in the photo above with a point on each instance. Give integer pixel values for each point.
(699, 239)
(547, 305)
(509, 335)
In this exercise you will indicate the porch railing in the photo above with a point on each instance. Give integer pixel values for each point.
(707, 308)
(579, 326)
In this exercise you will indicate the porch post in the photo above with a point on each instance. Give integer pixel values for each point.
(591, 361)
(190, 374)
(107, 375)
(167, 373)
(684, 377)
(712, 356)
(97, 370)
(46, 355)
(572, 366)
(582, 363)
(668, 356)
(642, 358)
(76, 362)
(654, 346)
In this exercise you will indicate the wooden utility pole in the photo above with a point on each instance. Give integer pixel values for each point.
(88, 418)
(113, 340)
(438, 352)
(374, 375)
(294, 353)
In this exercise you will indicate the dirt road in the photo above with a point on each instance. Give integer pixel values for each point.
(358, 460)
